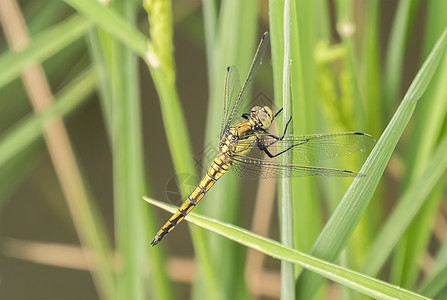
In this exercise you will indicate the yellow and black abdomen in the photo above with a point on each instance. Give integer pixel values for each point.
(218, 167)
(229, 146)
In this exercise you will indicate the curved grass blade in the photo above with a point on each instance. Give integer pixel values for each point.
(361, 283)
(425, 134)
(339, 228)
(406, 210)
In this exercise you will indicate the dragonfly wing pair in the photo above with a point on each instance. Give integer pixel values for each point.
(306, 149)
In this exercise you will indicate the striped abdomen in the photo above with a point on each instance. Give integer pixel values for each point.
(219, 166)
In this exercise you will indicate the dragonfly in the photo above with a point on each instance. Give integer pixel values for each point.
(253, 152)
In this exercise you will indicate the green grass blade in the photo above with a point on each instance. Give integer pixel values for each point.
(128, 177)
(160, 286)
(15, 169)
(106, 17)
(395, 53)
(161, 67)
(404, 213)
(436, 284)
(122, 112)
(428, 126)
(232, 42)
(126, 140)
(361, 283)
(18, 145)
(285, 200)
(276, 12)
(85, 214)
(30, 129)
(337, 231)
(436, 281)
(306, 211)
(210, 23)
(346, 28)
(104, 88)
(42, 46)
(47, 14)
(371, 72)
(371, 86)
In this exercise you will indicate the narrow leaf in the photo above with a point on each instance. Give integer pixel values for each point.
(361, 283)
(339, 228)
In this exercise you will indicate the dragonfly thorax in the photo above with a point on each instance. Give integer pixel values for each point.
(262, 116)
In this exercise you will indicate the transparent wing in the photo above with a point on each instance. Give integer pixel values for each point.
(312, 148)
(234, 106)
(232, 89)
(305, 149)
(258, 168)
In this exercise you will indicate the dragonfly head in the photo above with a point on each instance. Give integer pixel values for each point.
(262, 115)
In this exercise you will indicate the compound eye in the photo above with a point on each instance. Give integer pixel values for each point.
(262, 116)
(265, 119)
(268, 111)
(255, 109)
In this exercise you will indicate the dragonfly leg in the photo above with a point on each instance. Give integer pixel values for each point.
(269, 154)
(277, 113)
(264, 147)
(278, 138)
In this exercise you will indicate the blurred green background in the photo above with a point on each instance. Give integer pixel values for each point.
(102, 103)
